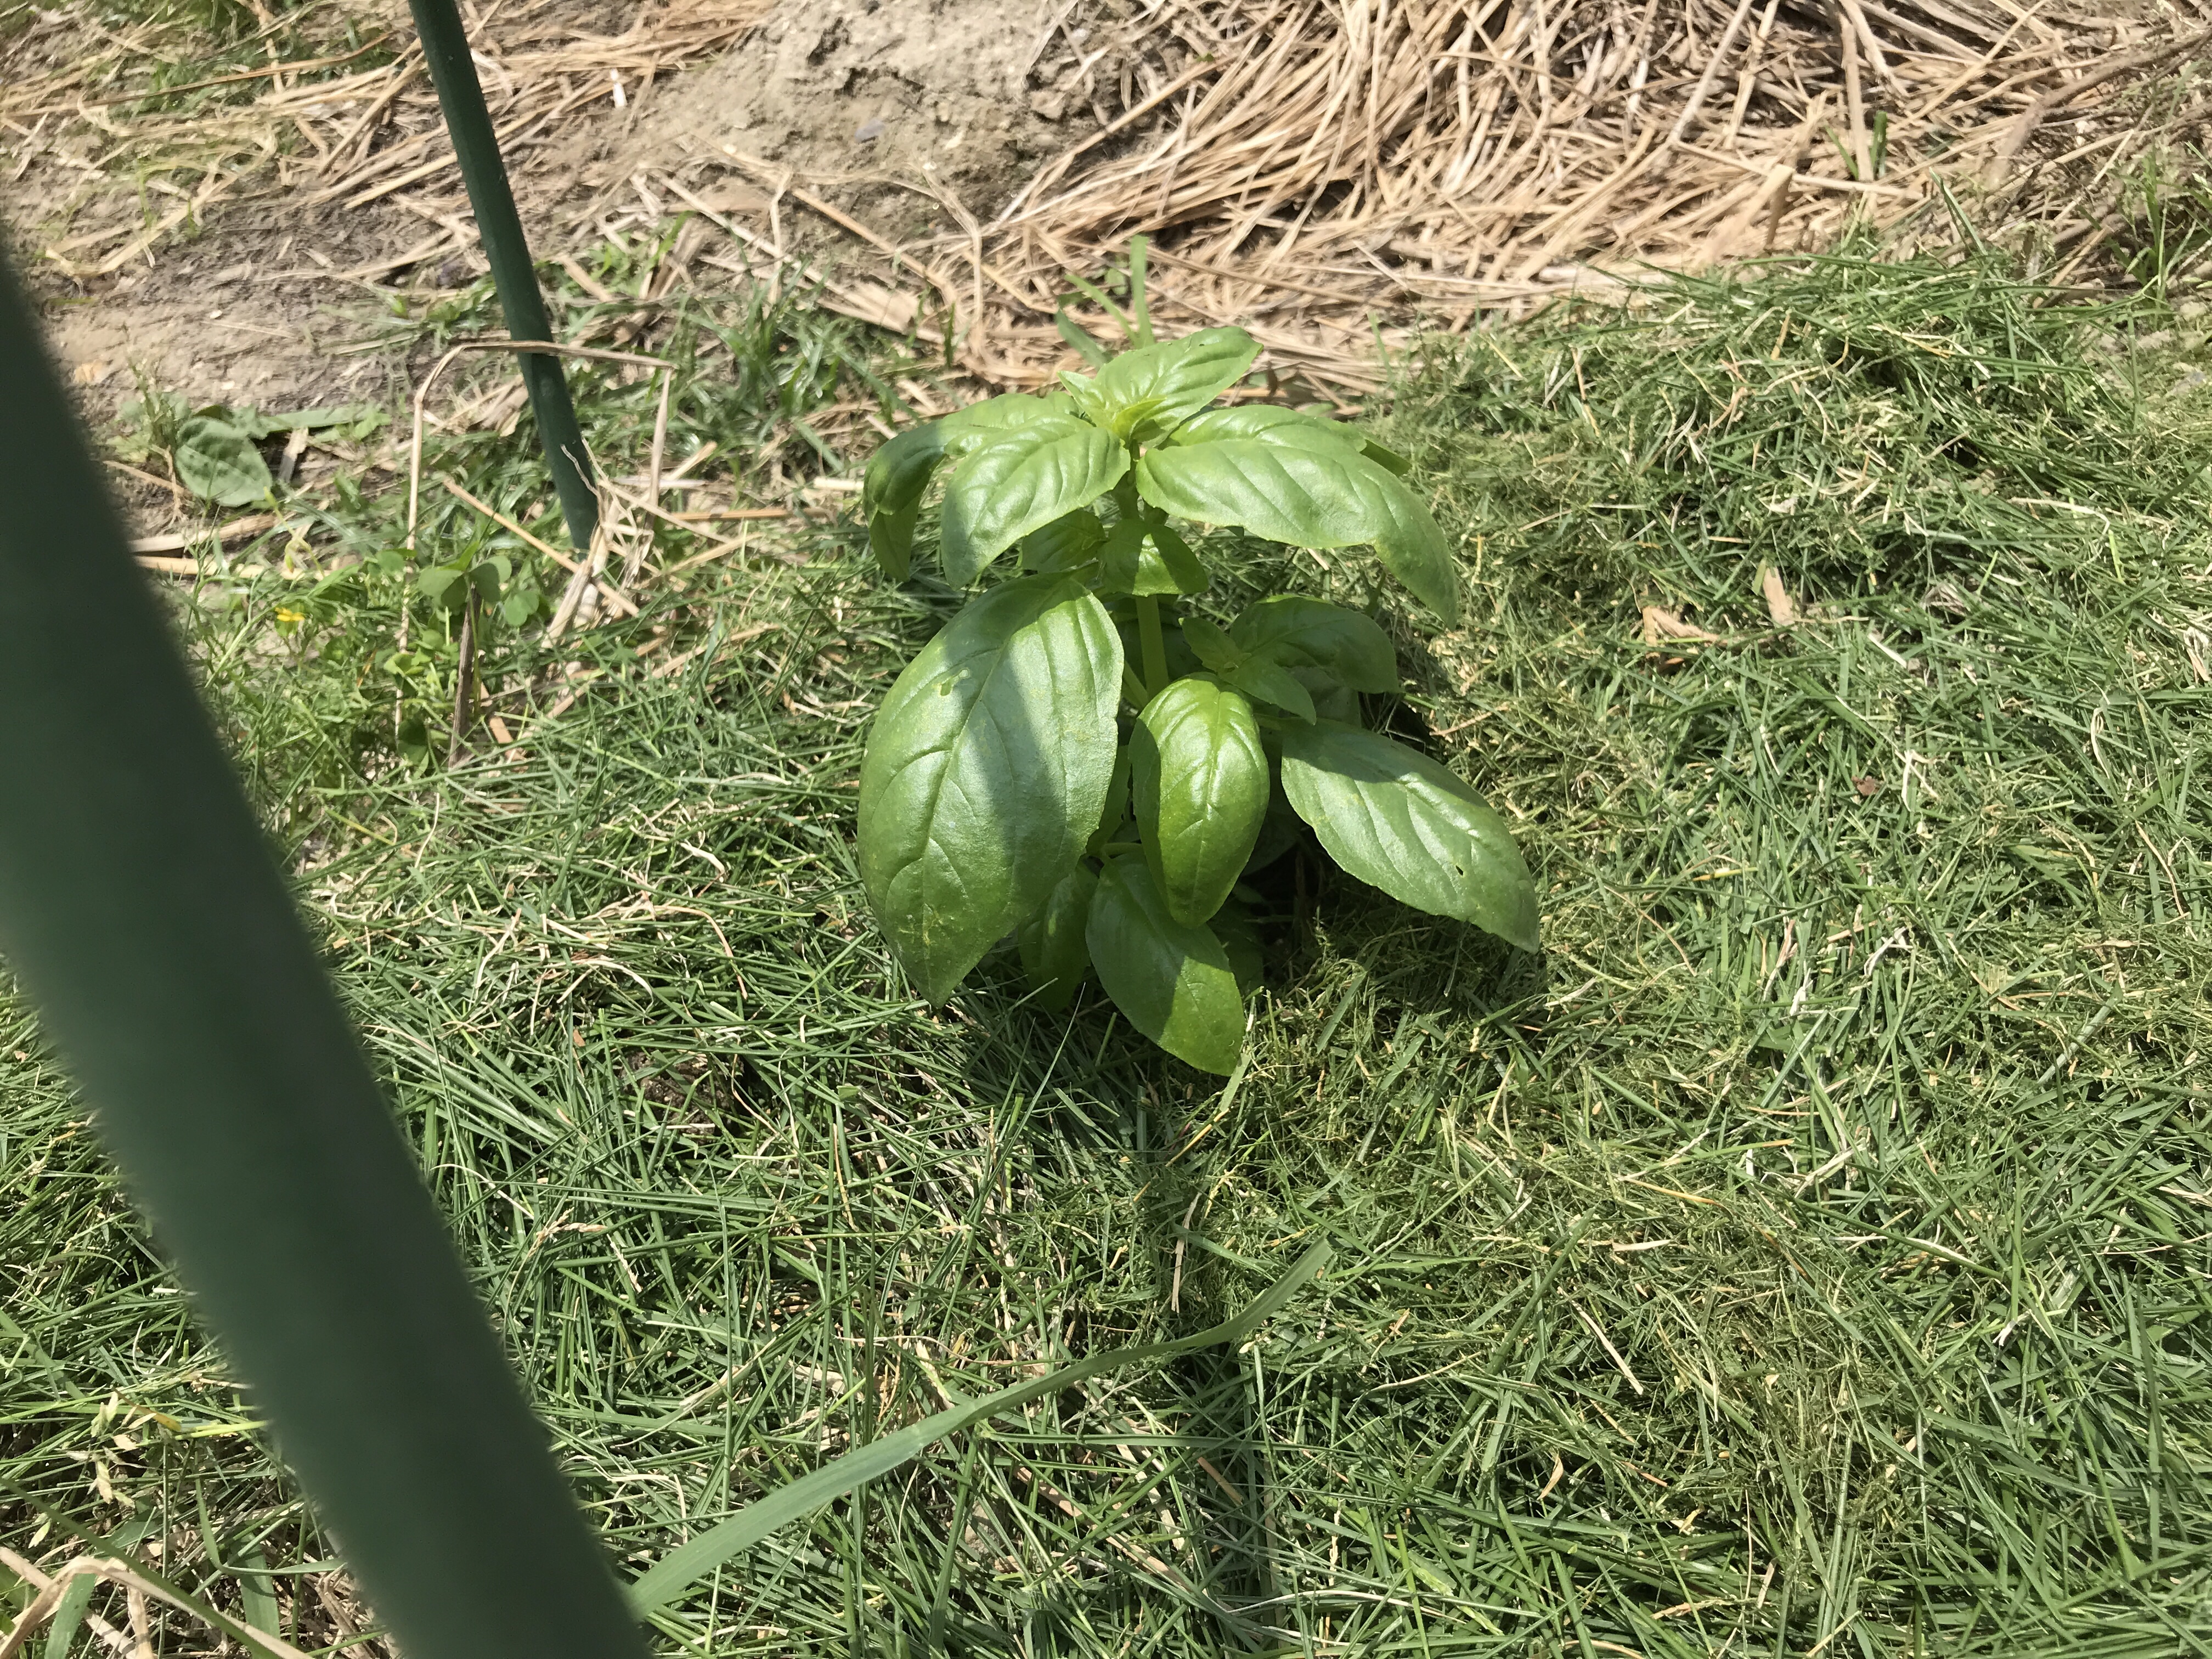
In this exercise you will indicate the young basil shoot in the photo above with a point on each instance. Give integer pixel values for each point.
(1078, 759)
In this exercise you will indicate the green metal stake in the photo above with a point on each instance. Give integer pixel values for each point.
(461, 96)
(150, 927)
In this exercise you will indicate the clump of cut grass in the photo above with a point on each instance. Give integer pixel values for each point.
(1804, 1255)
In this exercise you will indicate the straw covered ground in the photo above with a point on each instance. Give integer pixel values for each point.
(1316, 169)
(1805, 1255)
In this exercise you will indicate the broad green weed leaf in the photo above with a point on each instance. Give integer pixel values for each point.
(1054, 953)
(1143, 394)
(216, 460)
(314, 420)
(891, 491)
(1399, 822)
(1199, 785)
(1302, 633)
(1172, 981)
(1021, 479)
(987, 772)
(1295, 480)
(444, 584)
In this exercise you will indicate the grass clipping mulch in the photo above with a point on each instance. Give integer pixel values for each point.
(1308, 162)
(1803, 1256)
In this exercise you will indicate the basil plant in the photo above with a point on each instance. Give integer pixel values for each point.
(1082, 758)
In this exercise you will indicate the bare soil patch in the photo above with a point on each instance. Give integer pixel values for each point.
(937, 93)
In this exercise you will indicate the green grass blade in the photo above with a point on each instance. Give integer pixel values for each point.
(693, 1561)
(150, 926)
(68, 1615)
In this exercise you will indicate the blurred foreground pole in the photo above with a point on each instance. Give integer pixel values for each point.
(461, 96)
(143, 911)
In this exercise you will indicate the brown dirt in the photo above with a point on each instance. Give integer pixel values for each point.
(937, 90)
(241, 315)
(246, 306)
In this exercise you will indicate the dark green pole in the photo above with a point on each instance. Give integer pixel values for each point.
(150, 926)
(460, 95)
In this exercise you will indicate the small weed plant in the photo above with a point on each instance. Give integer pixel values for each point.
(1080, 758)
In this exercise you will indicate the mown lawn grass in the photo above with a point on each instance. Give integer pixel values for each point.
(1805, 1255)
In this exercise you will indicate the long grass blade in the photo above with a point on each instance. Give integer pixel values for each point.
(693, 1561)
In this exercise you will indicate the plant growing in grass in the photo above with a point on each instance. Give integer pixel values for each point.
(1083, 759)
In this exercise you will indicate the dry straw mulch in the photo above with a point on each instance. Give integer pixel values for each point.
(333, 141)
(1306, 164)
(1322, 171)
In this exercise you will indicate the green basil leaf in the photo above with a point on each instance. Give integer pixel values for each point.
(1291, 426)
(964, 428)
(1171, 980)
(1272, 684)
(1067, 543)
(1054, 953)
(1021, 479)
(1199, 787)
(1145, 393)
(1389, 460)
(1278, 833)
(1113, 816)
(216, 460)
(1295, 481)
(892, 491)
(1240, 938)
(1254, 676)
(1333, 700)
(1302, 633)
(1211, 647)
(1143, 555)
(1399, 822)
(1267, 423)
(1177, 559)
(986, 771)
